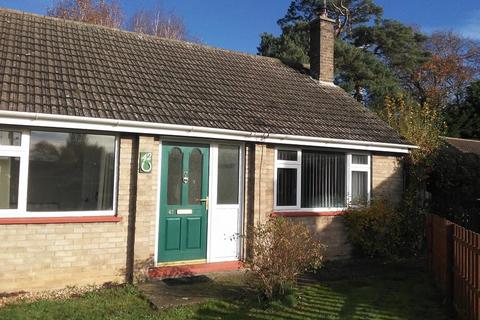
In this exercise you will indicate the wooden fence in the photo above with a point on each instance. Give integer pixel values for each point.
(454, 261)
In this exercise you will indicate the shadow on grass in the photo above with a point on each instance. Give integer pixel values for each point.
(346, 291)
(355, 290)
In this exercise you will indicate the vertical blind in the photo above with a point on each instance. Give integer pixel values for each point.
(359, 187)
(323, 179)
(359, 159)
(288, 155)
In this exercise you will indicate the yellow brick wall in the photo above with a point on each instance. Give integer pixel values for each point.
(258, 186)
(264, 182)
(387, 181)
(330, 230)
(259, 201)
(387, 177)
(146, 210)
(49, 256)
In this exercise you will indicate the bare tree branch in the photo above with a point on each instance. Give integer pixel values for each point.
(100, 12)
(159, 23)
(342, 16)
(454, 64)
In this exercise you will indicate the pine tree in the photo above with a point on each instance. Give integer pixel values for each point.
(373, 56)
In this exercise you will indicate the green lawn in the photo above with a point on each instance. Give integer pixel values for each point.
(366, 291)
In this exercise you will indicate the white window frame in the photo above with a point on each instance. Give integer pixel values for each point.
(286, 164)
(351, 167)
(216, 209)
(298, 166)
(23, 152)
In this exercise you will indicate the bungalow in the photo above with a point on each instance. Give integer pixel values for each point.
(121, 152)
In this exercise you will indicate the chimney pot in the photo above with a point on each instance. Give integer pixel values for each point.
(322, 40)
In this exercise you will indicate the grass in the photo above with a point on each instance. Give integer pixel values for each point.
(353, 291)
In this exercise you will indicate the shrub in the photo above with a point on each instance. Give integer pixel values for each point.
(422, 126)
(382, 230)
(281, 251)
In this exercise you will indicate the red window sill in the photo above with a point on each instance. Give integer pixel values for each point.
(299, 214)
(56, 220)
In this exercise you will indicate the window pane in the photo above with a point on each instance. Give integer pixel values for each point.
(359, 159)
(9, 175)
(288, 155)
(359, 187)
(287, 187)
(228, 169)
(323, 179)
(195, 177)
(175, 177)
(10, 138)
(70, 171)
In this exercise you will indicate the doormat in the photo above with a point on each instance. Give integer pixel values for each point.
(186, 280)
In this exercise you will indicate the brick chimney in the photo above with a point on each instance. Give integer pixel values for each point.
(322, 39)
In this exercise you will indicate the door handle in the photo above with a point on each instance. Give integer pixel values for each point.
(204, 200)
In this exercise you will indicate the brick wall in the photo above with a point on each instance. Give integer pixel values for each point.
(387, 181)
(146, 210)
(259, 173)
(322, 40)
(48, 256)
(259, 193)
(387, 177)
(330, 230)
(264, 182)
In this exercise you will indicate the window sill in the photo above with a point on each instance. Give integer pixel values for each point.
(60, 220)
(299, 214)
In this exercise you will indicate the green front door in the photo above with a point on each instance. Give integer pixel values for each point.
(183, 206)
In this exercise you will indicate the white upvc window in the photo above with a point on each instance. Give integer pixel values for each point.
(320, 179)
(288, 172)
(53, 173)
(13, 170)
(359, 178)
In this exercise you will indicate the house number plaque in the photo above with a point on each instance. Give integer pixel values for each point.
(145, 162)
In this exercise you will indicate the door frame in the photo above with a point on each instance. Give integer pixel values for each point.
(213, 195)
(212, 183)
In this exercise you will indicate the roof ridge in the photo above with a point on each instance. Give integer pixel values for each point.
(160, 39)
(138, 34)
(464, 139)
(122, 75)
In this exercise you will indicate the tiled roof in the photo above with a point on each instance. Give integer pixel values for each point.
(53, 66)
(464, 145)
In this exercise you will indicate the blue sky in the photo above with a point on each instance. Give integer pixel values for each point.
(237, 24)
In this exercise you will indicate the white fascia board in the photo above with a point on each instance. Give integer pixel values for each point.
(127, 126)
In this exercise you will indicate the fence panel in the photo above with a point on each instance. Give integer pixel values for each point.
(466, 282)
(454, 261)
(439, 235)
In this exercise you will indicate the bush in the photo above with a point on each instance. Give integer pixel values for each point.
(382, 230)
(281, 251)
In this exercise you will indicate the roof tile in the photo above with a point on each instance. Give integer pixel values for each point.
(53, 66)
